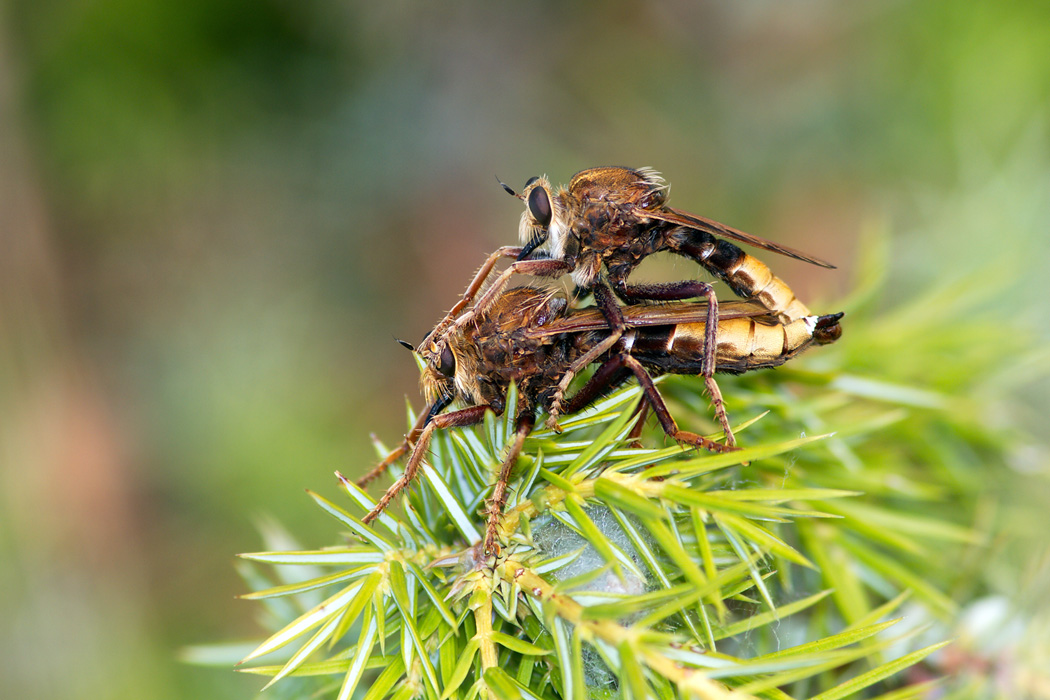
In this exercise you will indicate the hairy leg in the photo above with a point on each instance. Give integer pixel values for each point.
(410, 439)
(472, 289)
(466, 416)
(539, 268)
(525, 422)
(604, 299)
(690, 290)
(612, 371)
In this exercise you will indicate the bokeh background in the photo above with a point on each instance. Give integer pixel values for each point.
(216, 216)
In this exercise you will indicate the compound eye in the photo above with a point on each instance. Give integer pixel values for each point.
(540, 206)
(529, 182)
(448, 362)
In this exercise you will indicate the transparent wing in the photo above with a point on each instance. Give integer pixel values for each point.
(675, 216)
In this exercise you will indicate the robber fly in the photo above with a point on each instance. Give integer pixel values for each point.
(614, 217)
(530, 336)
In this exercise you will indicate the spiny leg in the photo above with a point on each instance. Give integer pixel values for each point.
(466, 416)
(720, 408)
(538, 268)
(605, 301)
(690, 290)
(410, 439)
(677, 291)
(610, 374)
(664, 416)
(612, 371)
(525, 422)
(380, 469)
(472, 289)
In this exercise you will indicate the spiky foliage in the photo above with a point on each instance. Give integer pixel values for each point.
(782, 571)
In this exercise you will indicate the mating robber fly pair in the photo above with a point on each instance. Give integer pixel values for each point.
(607, 219)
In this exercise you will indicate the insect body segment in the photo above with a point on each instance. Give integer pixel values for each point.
(530, 336)
(617, 217)
(743, 344)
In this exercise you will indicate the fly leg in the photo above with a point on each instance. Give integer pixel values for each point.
(720, 408)
(410, 439)
(664, 416)
(612, 371)
(507, 251)
(604, 299)
(378, 470)
(413, 436)
(540, 268)
(525, 422)
(466, 416)
(690, 290)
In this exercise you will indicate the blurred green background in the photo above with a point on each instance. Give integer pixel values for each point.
(217, 215)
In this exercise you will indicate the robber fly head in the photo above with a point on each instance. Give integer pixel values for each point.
(438, 380)
(543, 220)
(592, 196)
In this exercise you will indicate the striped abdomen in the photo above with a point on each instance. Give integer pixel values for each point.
(743, 343)
(746, 275)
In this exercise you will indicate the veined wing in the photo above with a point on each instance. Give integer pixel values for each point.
(643, 315)
(676, 216)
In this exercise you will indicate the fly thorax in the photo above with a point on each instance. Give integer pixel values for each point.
(490, 394)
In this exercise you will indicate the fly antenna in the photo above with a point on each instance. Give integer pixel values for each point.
(507, 188)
